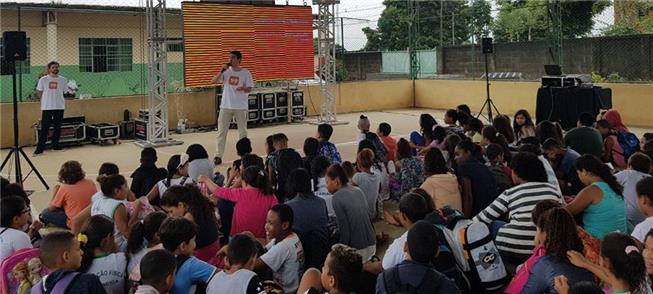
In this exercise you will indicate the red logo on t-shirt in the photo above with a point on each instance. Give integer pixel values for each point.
(53, 85)
(234, 80)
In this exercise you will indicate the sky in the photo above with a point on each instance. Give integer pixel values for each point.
(355, 14)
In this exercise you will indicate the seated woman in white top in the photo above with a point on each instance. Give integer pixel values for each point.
(177, 176)
(15, 215)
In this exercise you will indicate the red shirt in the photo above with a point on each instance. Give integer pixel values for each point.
(390, 145)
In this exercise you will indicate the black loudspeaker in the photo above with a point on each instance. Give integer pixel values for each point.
(486, 45)
(14, 45)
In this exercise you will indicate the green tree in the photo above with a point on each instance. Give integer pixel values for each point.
(525, 20)
(393, 25)
(480, 18)
(644, 25)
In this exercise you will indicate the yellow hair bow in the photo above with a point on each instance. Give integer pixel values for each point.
(82, 238)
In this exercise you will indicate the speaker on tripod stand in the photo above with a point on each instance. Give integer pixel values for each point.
(15, 49)
(487, 48)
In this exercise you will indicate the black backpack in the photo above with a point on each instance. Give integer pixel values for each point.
(381, 152)
(287, 160)
(430, 283)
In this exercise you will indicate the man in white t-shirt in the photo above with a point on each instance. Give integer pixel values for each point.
(237, 83)
(50, 91)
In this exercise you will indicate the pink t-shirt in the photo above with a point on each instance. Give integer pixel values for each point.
(250, 211)
(74, 198)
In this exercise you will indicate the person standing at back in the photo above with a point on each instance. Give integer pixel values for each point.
(237, 83)
(50, 91)
(585, 139)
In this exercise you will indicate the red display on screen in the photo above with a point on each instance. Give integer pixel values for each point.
(276, 41)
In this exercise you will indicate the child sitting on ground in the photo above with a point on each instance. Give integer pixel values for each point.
(178, 236)
(238, 276)
(100, 256)
(189, 203)
(644, 191)
(622, 268)
(144, 237)
(365, 134)
(638, 167)
(15, 215)
(157, 272)
(61, 253)
(285, 253)
(416, 271)
(147, 174)
(328, 149)
(390, 143)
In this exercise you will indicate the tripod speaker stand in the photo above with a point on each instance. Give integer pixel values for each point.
(13, 53)
(487, 48)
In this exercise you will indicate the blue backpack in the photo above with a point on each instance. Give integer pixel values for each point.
(629, 143)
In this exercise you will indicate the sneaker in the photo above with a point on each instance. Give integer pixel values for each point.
(217, 160)
(37, 152)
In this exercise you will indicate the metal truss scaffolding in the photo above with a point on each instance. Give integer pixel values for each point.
(157, 126)
(326, 27)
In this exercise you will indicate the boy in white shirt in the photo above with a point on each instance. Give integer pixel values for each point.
(638, 167)
(238, 277)
(157, 269)
(644, 190)
(285, 254)
(15, 216)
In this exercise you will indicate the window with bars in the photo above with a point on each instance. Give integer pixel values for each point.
(176, 47)
(105, 54)
(25, 69)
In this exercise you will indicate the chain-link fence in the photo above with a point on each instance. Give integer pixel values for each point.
(102, 50)
(605, 40)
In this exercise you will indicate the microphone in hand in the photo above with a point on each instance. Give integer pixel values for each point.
(226, 66)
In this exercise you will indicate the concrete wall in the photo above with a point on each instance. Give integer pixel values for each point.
(359, 64)
(633, 101)
(199, 107)
(629, 56)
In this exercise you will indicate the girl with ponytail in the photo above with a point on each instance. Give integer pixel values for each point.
(111, 202)
(188, 202)
(253, 200)
(144, 238)
(100, 256)
(601, 201)
(621, 266)
(177, 176)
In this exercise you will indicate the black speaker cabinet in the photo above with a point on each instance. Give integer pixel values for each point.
(282, 99)
(486, 45)
(14, 45)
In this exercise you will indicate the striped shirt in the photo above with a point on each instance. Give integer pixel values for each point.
(517, 237)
